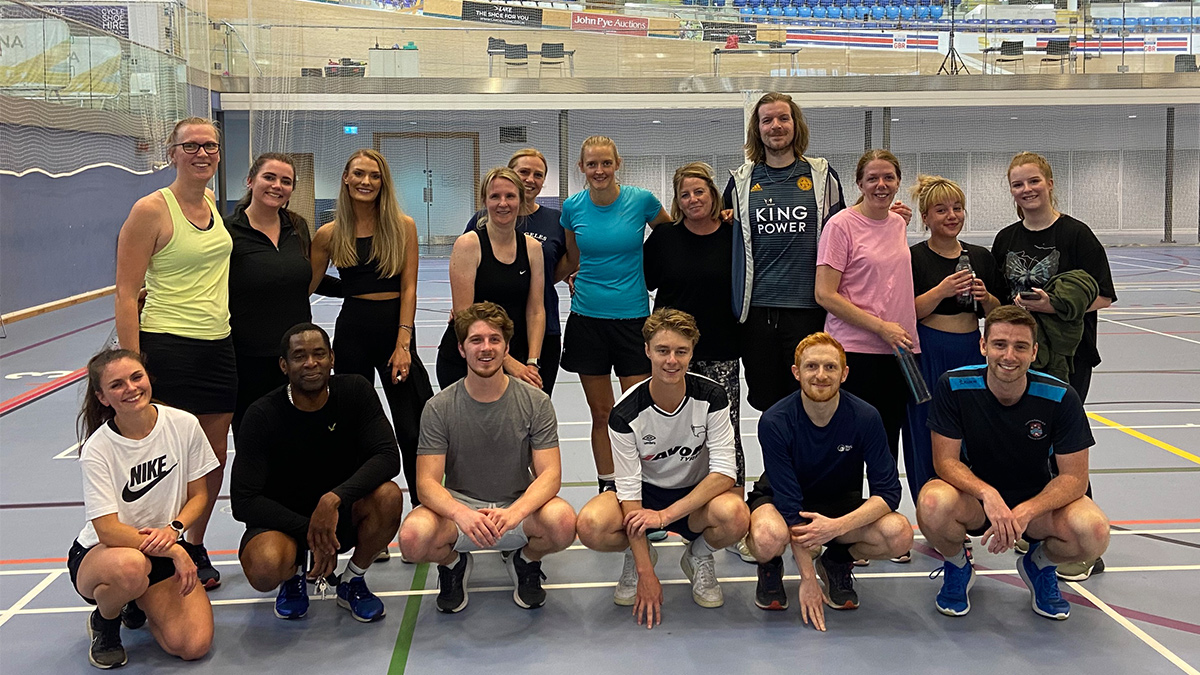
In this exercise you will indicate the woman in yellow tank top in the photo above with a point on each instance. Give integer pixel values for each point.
(175, 244)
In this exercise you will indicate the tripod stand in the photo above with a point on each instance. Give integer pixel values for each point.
(953, 63)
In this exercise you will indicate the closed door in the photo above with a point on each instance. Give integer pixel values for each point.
(436, 176)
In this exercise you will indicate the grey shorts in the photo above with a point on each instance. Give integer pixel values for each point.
(510, 541)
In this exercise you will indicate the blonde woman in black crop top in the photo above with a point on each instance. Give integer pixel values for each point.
(374, 246)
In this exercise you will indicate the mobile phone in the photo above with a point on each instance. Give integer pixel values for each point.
(1028, 295)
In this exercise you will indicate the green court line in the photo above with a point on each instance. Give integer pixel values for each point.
(408, 625)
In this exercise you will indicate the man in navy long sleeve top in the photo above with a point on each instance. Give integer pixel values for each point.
(815, 443)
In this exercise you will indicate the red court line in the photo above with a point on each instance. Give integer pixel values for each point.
(41, 390)
(56, 337)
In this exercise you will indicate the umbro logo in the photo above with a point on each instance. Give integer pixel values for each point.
(649, 439)
(145, 476)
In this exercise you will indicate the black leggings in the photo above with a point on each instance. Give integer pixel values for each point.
(877, 379)
(364, 339)
(257, 377)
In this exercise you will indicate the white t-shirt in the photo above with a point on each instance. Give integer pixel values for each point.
(144, 482)
(671, 449)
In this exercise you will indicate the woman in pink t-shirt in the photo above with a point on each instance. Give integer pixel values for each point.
(864, 280)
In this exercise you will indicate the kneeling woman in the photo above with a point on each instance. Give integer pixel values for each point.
(130, 548)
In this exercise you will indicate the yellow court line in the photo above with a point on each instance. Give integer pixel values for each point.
(1149, 439)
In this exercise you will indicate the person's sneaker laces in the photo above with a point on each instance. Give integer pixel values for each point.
(742, 550)
(292, 601)
(106, 650)
(837, 582)
(954, 599)
(1043, 587)
(132, 616)
(626, 591)
(1080, 571)
(452, 585)
(364, 606)
(701, 570)
(527, 580)
(769, 593)
(209, 577)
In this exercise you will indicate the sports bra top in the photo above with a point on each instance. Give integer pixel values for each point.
(365, 277)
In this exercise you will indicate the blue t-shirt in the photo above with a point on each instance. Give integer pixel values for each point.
(807, 464)
(610, 283)
(783, 236)
(544, 226)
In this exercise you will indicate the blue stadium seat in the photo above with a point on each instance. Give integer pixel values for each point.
(746, 13)
(1144, 24)
(790, 12)
(893, 12)
(1160, 23)
(1018, 25)
(878, 13)
(818, 12)
(760, 12)
(907, 13)
(833, 12)
(826, 24)
(805, 12)
(922, 13)
(935, 12)
(1175, 23)
(1049, 25)
(775, 12)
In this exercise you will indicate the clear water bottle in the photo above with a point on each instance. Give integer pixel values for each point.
(966, 299)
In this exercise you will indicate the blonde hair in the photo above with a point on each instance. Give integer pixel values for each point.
(931, 190)
(173, 137)
(755, 151)
(389, 243)
(528, 152)
(666, 318)
(704, 172)
(599, 142)
(1043, 165)
(501, 173)
(870, 156)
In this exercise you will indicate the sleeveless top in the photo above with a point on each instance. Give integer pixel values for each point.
(365, 277)
(187, 282)
(506, 285)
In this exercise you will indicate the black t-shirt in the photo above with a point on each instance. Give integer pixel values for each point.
(268, 285)
(930, 269)
(287, 458)
(1009, 447)
(1026, 260)
(544, 225)
(693, 273)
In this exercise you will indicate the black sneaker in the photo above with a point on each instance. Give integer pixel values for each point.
(452, 585)
(527, 580)
(838, 585)
(769, 594)
(106, 650)
(132, 616)
(209, 577)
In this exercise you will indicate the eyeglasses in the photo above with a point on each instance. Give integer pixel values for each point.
(210, 148)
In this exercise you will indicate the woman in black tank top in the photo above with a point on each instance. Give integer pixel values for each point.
(496, 263)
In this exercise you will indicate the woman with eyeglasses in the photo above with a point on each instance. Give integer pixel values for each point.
(174, 242)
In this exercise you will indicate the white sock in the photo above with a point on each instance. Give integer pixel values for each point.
(959, 559)
(700, 547)
(352, 571)
(300, 570)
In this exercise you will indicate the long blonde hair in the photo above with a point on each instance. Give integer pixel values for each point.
(389, 243)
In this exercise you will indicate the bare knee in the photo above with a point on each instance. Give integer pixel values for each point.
(729, 512)
(559, 521)
(188, 645)
(268, 563)
(769, 534)
(417, 534)
(597, 519)
(936, 500)
(129, 571)
(897, 533)
(1093, 532)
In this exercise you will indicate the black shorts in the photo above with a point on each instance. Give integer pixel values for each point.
(199, 376)
(347, 534)
(599, 346)
(161, 569)
(769, 338)
(657, 498)
(830, 506)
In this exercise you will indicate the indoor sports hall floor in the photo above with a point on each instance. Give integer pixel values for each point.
(1142, 615)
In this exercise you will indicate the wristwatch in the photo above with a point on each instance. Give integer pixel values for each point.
(178, 527)
(535, 363)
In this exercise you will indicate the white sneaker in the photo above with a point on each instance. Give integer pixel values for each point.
(626, 592)
(701, 570)
(742, 550)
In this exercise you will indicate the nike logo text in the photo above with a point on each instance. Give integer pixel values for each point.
(152, 471)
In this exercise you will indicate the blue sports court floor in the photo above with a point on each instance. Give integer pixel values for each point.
(1142, 615)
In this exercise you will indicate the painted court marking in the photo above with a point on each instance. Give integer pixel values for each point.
(1144, 437)
(1151, 330)
(1129, 626)
(28, 597)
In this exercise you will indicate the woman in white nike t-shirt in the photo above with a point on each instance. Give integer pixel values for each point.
(143, 484)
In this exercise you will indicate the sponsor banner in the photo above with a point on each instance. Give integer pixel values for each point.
(34, 53)
(610, 23)
(868, 40)
(110, 18)
(530, 17)
(717, 31)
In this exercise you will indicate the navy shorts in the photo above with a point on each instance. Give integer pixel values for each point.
(161, 569)
(657, 498)
(830, 506)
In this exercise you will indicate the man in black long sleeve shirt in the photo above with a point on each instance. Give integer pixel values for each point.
(313, 472)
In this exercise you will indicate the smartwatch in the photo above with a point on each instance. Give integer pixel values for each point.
(178, 527)
(535, 363)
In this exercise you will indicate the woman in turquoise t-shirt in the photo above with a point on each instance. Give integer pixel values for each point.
(605, 226)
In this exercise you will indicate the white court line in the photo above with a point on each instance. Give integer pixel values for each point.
(754, 434)
(1156, 269)
(69, 453)
(1138, 632)
(1150, 330)
(33, 593)
(1156, 262)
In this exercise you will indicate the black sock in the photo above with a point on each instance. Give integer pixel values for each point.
(838, 553)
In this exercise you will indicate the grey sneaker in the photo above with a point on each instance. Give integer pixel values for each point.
(106, 650)
(1080, 571)
(1021, 547)
(742, 550)
(626, 592)
(701, 570)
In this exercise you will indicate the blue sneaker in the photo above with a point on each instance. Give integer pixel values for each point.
(362, 603)
(292, 601)
(953, 599)
(1043, 586)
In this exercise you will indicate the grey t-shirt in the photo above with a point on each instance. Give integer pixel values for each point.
(488, 446)
(783, 235)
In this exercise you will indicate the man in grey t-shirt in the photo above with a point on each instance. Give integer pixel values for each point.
(493, 439)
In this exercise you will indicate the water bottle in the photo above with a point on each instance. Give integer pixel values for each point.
(965, 298)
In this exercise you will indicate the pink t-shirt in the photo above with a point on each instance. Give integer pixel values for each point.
(876, 268)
